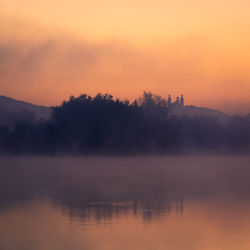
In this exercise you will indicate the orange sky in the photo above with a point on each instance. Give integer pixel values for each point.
(52, 49)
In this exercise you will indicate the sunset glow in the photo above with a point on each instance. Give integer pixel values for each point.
(52, 49)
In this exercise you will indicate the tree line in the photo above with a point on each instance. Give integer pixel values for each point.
(102, 125)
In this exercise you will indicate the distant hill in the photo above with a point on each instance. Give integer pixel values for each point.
(12, 110)
(193, 111)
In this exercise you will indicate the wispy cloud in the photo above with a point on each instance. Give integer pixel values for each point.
(45, 68)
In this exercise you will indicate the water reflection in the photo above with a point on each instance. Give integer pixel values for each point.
(209, 224)
(185, 203)
(105, 212)
(113, 186)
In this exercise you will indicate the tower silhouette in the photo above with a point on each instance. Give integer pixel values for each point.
(177, 107)
(169, 100)
(182, 101)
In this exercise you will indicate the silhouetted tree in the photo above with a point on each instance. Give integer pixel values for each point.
(104, 125)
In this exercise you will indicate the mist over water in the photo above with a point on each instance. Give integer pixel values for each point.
(125, 203)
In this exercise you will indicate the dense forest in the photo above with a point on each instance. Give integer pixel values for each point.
(102, 125)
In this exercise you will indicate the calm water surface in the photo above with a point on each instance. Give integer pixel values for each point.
(125, 203)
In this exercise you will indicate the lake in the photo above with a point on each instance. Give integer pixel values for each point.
(148, 203)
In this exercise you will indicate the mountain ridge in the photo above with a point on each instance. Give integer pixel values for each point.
(12, 110)
(193, 111)
(10, 106)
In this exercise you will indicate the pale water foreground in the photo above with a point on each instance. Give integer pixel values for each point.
(125, 203)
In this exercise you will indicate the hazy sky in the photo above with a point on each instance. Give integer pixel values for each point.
(51, 49)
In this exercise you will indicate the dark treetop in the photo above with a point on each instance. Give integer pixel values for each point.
(104, 125)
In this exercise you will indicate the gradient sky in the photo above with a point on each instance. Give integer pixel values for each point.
(51, 49)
